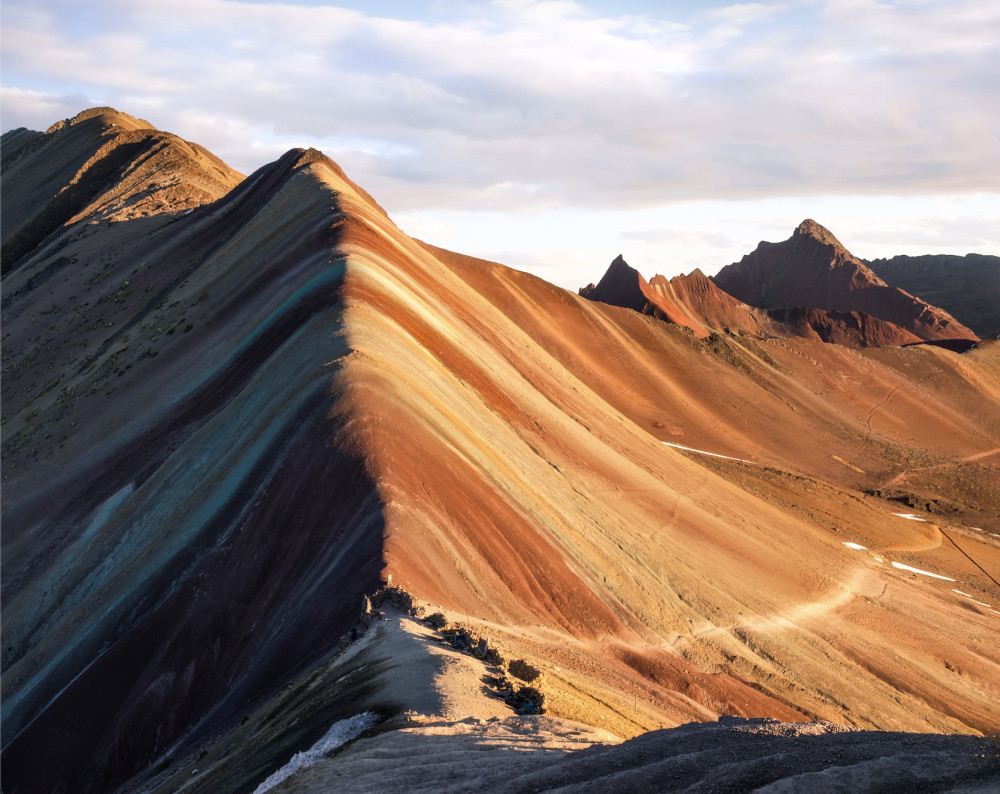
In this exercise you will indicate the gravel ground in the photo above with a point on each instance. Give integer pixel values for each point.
(533, 754)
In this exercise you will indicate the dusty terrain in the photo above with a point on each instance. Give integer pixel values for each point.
(228, 418)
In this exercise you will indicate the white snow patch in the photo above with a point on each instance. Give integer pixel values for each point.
(880, 559)
(925, 573)
(703, 452)
(340, 733)
(345, 677)
(973, 600)
(910, 517)
(856, 546)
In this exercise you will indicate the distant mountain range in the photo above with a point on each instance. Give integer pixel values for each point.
(968, 287)
(809, 286)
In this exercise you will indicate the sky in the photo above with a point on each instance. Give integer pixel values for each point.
(552, 135)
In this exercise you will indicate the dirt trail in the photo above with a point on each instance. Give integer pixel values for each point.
(898, 478)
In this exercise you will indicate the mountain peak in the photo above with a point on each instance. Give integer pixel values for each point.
(809, 228)
(107, 116)
(621, 285)
(813, 270)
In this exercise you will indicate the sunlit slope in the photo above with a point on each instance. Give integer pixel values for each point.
(795, 403)
(522, 487)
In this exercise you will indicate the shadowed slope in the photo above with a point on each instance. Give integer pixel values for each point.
(966, 286)
(105, 166)
(187, 521)
(735, 755)
(621, 285)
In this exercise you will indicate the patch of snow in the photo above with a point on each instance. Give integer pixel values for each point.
(925, 573)
(971, 598)
(340, 733)
(345, 677)
(856, 546)
(703, 452)
(910, 517)
(880, 559)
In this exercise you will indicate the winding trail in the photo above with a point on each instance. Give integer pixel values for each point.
(903, 474)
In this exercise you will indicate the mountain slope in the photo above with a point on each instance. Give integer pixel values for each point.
(691, 301)
(813, 270)
(262, 409)
(966, 286)
(187, 521)
(621, 285)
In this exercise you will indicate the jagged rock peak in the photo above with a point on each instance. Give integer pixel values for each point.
(619, 263)
(621, 285)
(809, 228)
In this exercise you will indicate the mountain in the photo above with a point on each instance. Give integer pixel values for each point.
(691, 301)
(813, 270)
(622, 285)
(102, 165)
(694, 301)
(225, 429)
(968, 287)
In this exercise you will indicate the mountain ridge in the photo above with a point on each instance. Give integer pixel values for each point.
(694, 301)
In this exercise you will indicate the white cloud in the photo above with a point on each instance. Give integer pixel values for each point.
(546, 107)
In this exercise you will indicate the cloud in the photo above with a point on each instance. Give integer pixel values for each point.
(841, 96)
(518, 107)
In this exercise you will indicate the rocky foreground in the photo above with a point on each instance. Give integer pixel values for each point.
(429, 718)
(732, 755)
